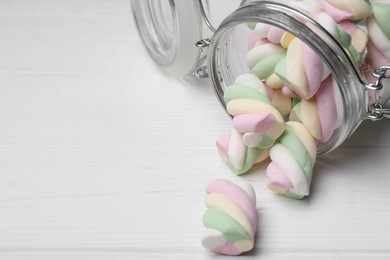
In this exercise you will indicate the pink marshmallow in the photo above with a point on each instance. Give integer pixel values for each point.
(275, 34)
(376, 57)
(349, 27)
(223, 143)
(337, 14)
(277, 177)
(252, 40)
(270, 92)
(326, 109)
(259, 123)
(288, 92)
(227, 249)
(260, 41)
(237, 195)
(314, 68)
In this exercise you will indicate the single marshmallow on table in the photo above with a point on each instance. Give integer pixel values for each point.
(231, 218)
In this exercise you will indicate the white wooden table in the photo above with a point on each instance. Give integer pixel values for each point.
(103, 156)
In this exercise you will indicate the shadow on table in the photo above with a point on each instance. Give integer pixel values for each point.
(366, 147)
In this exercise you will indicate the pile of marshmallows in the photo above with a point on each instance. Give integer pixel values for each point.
(289, 102)
(283, 108)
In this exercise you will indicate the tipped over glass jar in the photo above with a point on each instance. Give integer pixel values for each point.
(297, 77)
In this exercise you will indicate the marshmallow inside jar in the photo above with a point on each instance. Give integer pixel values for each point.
(309, 67)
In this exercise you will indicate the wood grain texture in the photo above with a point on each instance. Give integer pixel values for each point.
(103, 156)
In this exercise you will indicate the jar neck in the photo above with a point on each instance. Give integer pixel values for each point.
(213, 13)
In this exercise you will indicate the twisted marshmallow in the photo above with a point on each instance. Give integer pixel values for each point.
(358, 39)
(249, 96)
(320, 115)
(293, 158)
(279, 100)
(262, 59)
(231, 218)
(239, 157)
(302, 70)
(342, 10)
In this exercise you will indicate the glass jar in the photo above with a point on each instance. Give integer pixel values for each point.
(191, 34)
(170, 28)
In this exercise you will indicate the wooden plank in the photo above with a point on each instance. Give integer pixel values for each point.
(103, 156)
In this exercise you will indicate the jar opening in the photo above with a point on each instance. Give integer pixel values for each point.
(241, 36)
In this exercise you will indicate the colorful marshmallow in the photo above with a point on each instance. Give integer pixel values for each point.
(341, 10)
(257, 124)
(358, 42)
(263, 58)
(319, 114)
(239, 157)
(249, 96)
(231, 218)
(302, 70)
(293, 158)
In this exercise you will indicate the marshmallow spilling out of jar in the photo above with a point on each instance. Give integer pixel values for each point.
(288, 102)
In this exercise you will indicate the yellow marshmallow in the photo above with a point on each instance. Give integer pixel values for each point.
(286, 39)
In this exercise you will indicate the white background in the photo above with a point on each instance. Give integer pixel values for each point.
(103, 156)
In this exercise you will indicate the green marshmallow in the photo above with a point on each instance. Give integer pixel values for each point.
(344, 37)
(356, 56)
(252, 154)
(297, 110)
(298, 151)
(266, 142)
(293, 195)
(218, 220)
(236, 91)
(381, 13)
(264, 68)
(281, 69)
(296, 101)
(251, 26)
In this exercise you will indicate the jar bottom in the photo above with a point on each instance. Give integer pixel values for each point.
(169, 30)
(156, 22)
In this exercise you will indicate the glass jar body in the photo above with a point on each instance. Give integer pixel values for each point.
(228, 45)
